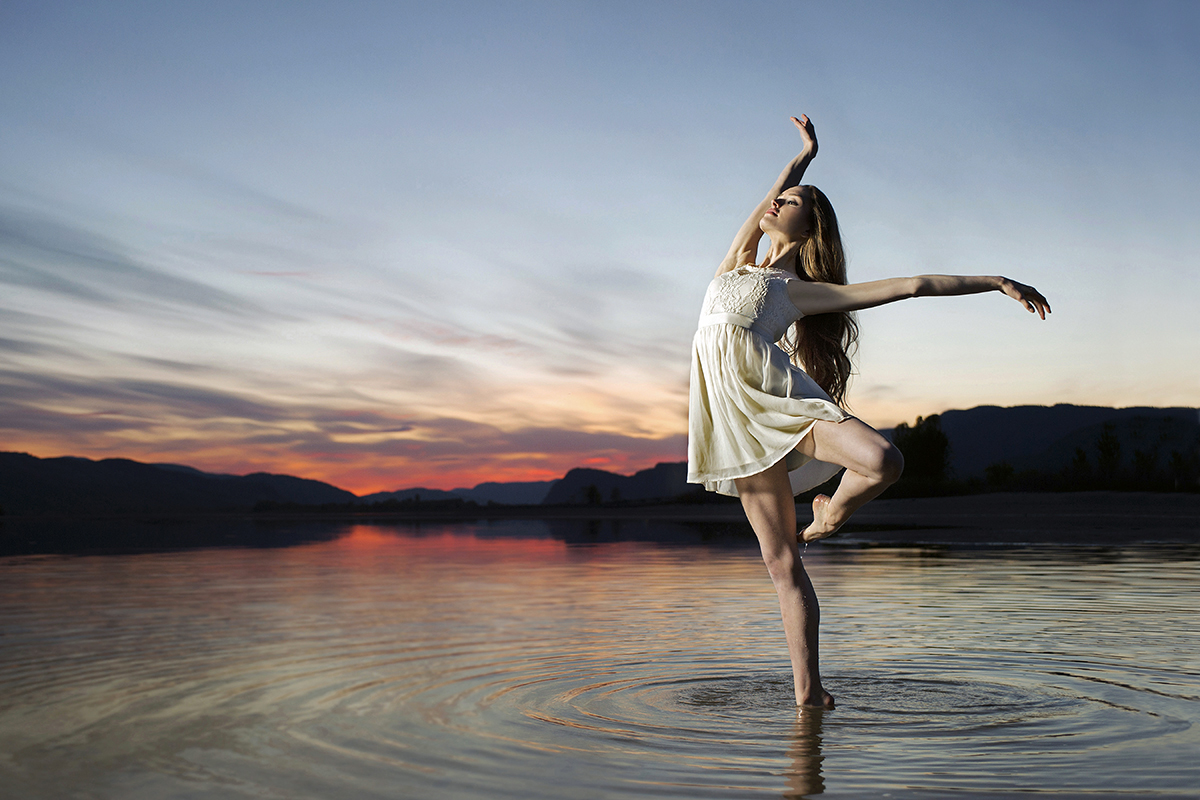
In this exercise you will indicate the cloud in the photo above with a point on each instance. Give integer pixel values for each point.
(171, 366)
(28, 348)
(138, 402)
(62, 259)
(39, 429)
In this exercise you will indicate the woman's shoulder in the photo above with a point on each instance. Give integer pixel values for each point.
(727, 267)
(774, 273)
(750, 268)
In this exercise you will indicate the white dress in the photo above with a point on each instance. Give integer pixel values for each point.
(749, 406)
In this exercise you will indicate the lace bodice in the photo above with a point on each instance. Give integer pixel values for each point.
(758, 294)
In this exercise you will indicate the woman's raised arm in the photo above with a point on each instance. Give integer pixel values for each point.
(745, 245)
(824, 298)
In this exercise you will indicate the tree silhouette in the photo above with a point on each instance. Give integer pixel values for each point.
(1145, 467)
(1108, 452)
(1183, 469)
(926, 450)
(999, 474)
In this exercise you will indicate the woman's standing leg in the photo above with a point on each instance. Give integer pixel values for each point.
(770, 507)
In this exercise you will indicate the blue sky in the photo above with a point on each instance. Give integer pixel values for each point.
(392, 244)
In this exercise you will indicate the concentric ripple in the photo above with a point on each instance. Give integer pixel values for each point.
(469, 663)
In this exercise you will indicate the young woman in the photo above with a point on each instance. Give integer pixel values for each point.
(763, 429)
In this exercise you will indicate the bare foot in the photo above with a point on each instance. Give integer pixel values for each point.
(825, 702)
(820, 528)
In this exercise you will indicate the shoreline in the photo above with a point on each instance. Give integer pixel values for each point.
(1003, 518)
(1034, 518)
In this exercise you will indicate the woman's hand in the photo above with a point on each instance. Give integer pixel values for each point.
(1027, 296)
(807, 133)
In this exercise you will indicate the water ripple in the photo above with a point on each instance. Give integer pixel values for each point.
(342, 669)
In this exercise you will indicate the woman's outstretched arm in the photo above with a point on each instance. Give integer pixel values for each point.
(824, 298)
(745, 245)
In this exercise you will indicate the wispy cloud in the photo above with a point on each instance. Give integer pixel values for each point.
(57, 258)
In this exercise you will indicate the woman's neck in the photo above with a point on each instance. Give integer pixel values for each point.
(782, 256)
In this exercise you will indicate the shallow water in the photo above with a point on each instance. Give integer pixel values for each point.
(513, 660)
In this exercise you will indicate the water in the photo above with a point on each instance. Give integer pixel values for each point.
(513, 660)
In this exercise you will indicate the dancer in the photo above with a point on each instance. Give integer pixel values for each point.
(762, 428)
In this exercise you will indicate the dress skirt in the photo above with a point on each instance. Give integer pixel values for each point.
(748, 408)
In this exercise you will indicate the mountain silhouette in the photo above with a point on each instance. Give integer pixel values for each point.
(1044, 439)
(518, 493)
(69, 485)
(590, 486)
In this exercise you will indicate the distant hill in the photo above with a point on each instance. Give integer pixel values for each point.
(590, 486)
(1045, 437)
(517, 493)
(401, 495)
(521, 493)
(72, 485)
(31, 485)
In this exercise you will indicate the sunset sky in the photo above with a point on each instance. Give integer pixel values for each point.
(433, 244)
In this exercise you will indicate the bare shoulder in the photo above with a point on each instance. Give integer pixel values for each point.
(729, 265)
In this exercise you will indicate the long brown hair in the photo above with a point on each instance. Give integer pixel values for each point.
(823, 344)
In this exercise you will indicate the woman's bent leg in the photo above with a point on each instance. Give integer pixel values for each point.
(770, 507)
(872, 464)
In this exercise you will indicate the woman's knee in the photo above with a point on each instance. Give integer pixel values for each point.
(883, 462)
(782, 563)
(891, 463)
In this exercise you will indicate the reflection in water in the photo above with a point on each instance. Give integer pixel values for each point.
(119, 536)
(804, 778)
(42, 536)
(477, 661)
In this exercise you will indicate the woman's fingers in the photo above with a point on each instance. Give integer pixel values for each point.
(805, 126)
(1034, 301)
(1027, 296)
(1043, 306)
(1039, 302)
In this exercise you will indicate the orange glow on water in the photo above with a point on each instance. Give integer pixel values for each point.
(447, 545)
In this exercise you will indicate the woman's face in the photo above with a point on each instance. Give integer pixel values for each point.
(790, 216)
